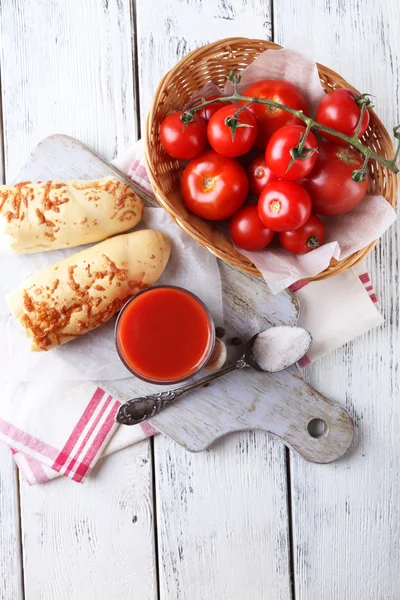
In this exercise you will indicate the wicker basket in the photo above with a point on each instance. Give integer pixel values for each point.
(213, 63)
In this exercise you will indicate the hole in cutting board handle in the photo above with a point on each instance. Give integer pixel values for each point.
(317, 428)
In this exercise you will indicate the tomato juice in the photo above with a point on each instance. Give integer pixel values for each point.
(164, 334)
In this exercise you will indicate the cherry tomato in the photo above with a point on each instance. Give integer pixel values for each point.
(304, 239)
(339, 110)
(213, 186)
(232, 141)
(284, 205)
(180, 141)
(259, 174)
(278, 157)
(330, 185)
(270, 119)
(247, 230)
(208, 111)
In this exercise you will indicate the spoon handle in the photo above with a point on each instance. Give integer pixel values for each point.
(137, 410)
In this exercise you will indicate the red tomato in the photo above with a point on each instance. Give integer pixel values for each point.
(180, 141)
(259, 174)
(284, 205)
(330, 185)
(208, 111)
(278, 157)
(304, 239)
(339, 110)
(228, 141)
(270, 119)
(213, 186)
(247, 230)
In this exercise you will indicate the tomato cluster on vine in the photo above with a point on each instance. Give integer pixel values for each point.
(248, 147)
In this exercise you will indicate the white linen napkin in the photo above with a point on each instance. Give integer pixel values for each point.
(64, 428)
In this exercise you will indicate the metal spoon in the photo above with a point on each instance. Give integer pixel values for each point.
(137, 410)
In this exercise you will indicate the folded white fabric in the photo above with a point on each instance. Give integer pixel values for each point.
(58, 429)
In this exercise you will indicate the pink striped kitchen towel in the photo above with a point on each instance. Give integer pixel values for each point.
(74, 440)
(89, 434)
(56, 430)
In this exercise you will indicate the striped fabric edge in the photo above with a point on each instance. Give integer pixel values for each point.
(364, 278)
(36, 472)
(32, 470)
(40, 462)
(366, 281)
(138, 174)
(20, 441)
(80, 452)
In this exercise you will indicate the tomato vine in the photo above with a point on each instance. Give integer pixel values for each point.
(299, 151)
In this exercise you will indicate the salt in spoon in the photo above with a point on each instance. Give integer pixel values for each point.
(271, 350)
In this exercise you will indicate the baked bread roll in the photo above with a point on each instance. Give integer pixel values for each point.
(79, 293)
(35, 217)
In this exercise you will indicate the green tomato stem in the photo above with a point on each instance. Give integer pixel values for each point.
(301, 145)
(239, 110)
(357, 131)
(313, 242)
(310, 124)
(360, 174)
(396, 154)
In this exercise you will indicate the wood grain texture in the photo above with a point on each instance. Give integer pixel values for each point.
(167, 30)
(222, 520)
(11, 577)
(346, 516)
(66, 67)
(86, 542)
(10, 548)
(120, 558)
(222, 514)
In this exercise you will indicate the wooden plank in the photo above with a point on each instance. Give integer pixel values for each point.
(168, 30)
(10, 546)
(2, 173)
(92, 541)
(222, 514)
(67, 66)
(10, 539)
(346, 515)
(222, 519)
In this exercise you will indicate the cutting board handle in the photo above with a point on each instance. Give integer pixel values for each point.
(286, 406)
(321, 430)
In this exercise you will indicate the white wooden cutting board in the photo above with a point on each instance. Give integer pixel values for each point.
(282, 404)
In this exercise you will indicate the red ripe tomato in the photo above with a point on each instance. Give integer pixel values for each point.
(284, 205)
(304, 239)
(229, 135)
(278, 157)
(259, 174)
(339, 110)
(183, 141)
(213, 186)
(247, 230)
(270, 119)
(208, 111)
(330, 185)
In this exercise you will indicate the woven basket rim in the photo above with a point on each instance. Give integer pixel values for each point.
(240, 261)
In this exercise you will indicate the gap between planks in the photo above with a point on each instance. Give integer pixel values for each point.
(135, 66)
(19, 580)
(228, 472)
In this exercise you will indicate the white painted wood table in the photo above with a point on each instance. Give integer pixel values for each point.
(246, 520)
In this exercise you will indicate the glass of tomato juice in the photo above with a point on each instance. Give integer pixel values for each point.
(164, 334)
